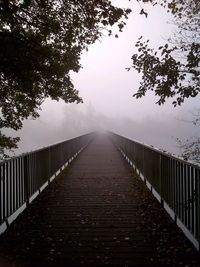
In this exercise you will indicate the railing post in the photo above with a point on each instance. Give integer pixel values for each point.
(1, 198)
(161, 181)
(143, 165)
(26, 180)
(2, 193)
(49, 164)
(197, 178)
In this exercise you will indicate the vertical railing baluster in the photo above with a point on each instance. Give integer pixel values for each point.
(192, 200)
(3, 193)
(197, 183)
(14, 185)
(11, 186)
(18, 182)
(6, 189)
(26, 181)
(181, 191)
(185, 194)
(188, 197)
(1, 196)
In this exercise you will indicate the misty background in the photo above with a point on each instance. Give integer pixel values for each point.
(107, 88)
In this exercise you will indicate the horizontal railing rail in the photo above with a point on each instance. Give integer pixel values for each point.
(175, 182)
(21, 177)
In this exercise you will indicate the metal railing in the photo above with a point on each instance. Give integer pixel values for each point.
(176, 183)
(21, 177)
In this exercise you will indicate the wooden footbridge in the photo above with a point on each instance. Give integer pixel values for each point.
(84, 205)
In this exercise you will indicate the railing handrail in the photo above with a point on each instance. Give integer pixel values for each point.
(168, 154)
(42, 148)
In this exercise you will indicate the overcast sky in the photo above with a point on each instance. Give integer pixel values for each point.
(107, 88)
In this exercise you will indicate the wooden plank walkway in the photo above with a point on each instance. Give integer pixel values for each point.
(96, 213)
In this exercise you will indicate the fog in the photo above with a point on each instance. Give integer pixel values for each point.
(158, 130)
(107, 88)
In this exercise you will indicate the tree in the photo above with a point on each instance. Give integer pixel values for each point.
(173, 71)
(190, 147)
(41, 42)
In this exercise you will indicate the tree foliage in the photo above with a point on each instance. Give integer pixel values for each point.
(40, 44)
(190, 148)
(172, 71)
